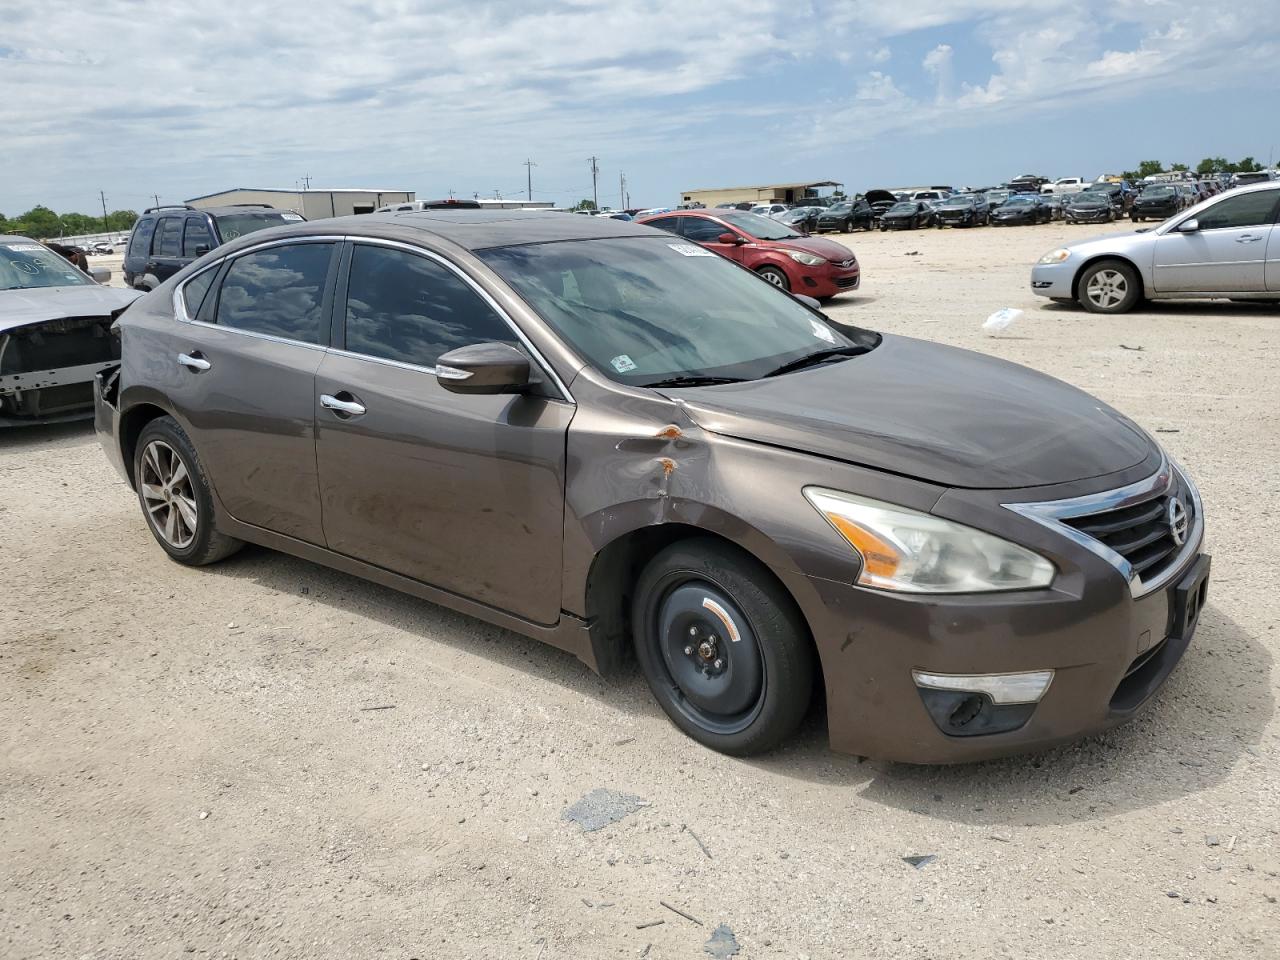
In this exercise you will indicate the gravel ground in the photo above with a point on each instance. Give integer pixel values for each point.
(191, 764)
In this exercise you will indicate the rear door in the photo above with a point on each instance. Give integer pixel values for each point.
(241, 373)
(197, 238)
(462, 492)
(1227, 254)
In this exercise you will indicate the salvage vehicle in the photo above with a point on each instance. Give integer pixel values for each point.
(54, 333)
(880, 201)
(908, 215)
(1158, 201)
(1228, 246)
(812, 266)
(963, 210)
(166, 239)
(1021, 208)
(1088, 207)
(804, 219)
(845, 216)
(597, 435)
(996, 198)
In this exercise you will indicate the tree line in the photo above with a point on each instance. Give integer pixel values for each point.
(1206, 167)
(41, 223)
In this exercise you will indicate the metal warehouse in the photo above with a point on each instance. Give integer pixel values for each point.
(314, 204)
(767, 193)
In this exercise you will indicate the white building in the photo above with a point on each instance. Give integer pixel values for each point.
(314, 204)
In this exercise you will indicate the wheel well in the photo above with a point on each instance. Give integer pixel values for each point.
(131, 425)
(611, 583)
(1075, 281)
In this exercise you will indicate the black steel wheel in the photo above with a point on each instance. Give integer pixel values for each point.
(723, 647)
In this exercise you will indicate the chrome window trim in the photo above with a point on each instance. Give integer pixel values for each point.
(1051, 513)
(482, 293)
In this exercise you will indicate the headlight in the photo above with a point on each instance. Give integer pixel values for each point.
(911, 552)
(808, 259)
(1057, 256)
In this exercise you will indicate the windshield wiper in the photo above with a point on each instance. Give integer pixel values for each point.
(813, 359)
(692, 381)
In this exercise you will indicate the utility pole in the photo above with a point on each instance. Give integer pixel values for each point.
(595, 172)
(622, 190)
(156, 198)
(528, 169)
(451, 193)
(103, 197)
(306, 182)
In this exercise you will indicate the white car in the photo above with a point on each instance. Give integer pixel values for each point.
(770, 209)
(1225, 247)
(1065, 185)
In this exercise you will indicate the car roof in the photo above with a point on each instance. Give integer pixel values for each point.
(16, 239)
(468, 229)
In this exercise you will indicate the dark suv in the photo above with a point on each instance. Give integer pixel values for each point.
(166, 239)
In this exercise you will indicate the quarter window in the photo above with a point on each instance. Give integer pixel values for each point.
(1246, 210)
(197, 235)
(404, 307)
(168, 238)
(194, 292)
(277, 291)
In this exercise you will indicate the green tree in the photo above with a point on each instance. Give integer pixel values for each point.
(584, 205)
(1179, 168)
(40, 223)
(121, 220)
(1130, 175)
(1248, 165)
(1148, 168)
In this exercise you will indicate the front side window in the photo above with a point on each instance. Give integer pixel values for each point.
(197, 235)
(168, 239)
(405, 307)
(277, 291)
(703, 230)
(645, 310)
(1246, 210)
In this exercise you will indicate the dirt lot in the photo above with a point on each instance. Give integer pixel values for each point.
(189, 766)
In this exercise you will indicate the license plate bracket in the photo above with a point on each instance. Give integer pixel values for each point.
(1187, 599)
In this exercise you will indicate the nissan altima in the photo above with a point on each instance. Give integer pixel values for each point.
(609, 438)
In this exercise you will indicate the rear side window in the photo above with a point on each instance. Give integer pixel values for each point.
(140, 243)
(1248, 210)
(197, 235)
(193, 293)
(404, 307)
(168, 238)
(277, 291)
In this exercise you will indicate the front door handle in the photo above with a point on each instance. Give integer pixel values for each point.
(1247, 238)
(350, 407)
(194, 362)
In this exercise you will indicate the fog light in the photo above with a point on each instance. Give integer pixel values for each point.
(1001, 688)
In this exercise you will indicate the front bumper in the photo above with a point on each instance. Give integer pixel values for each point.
(1091, 216)
(1054, 279)
(828, 279)
(1109, 652)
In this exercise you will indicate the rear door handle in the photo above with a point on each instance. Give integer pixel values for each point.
(343, 404)
(194, 362)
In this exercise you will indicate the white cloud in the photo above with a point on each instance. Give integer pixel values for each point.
(879, 88)
(937, 63)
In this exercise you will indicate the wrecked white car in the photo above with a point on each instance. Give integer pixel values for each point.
(55, 334)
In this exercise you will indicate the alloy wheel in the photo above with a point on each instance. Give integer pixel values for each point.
(1107, 288)
(167, 494)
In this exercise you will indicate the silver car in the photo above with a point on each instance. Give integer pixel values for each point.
(1226, 246)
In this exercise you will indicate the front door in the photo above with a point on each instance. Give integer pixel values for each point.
(707, 232)
(462, 492)
(242, 374)
(1227, 254)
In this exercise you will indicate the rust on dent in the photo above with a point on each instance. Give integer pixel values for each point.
(670, 432)
(668, 465)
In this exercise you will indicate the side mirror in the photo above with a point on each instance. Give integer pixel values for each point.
(730, 238)
(101, 274)
(809, 302)
(483, 368)
(1189, 226)
(202, 249)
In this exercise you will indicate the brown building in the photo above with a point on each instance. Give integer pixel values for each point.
(767, 193)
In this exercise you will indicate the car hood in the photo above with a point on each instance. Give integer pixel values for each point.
(835, 214)
(1014, 211)
(819, 246)
(37, 304)
(931, 412)
(879, 196)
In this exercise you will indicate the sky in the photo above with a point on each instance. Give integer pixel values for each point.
(187, 98)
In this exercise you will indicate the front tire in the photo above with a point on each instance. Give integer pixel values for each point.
(1110, 286)
(176, 497)
(775, 276)
(740, 696)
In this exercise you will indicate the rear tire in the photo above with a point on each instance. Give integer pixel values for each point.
(743, 696)
(176, 496)
(1109, 286)
(775, 276)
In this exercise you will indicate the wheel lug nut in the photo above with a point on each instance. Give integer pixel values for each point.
(719, 664)
(693, 631)
(688, 651)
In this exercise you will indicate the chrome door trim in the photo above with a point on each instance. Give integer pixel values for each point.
(1051, 513)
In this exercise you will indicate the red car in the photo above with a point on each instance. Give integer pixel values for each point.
(814, 266)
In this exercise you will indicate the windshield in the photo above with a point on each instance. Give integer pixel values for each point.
(645, 310)
(25, 264)
(840, 208)
(1091, 197)
(958, 202)
(233, 225)
(905, 207)
(1158, 192)
(762, 228)
(1019, 202)
(997, 194)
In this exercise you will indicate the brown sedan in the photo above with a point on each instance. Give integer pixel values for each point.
(610, 439)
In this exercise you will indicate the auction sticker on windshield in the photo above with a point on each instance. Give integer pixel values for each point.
(24, 247)
(622, 363)
(690, 250)
(290, 216)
